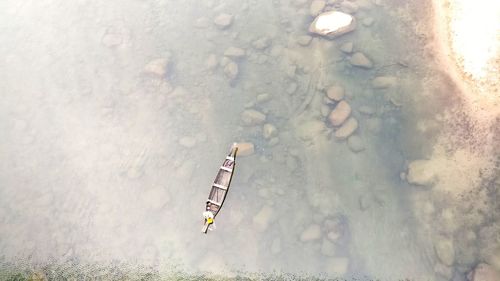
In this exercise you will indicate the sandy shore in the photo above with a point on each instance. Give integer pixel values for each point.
(481, 94)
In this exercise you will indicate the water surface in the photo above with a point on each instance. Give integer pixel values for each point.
(106, 166)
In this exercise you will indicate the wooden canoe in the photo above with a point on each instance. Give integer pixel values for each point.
(219, 189)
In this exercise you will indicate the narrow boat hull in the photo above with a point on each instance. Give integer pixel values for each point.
(219, 189)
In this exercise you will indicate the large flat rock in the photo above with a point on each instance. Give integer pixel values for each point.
(333, 24)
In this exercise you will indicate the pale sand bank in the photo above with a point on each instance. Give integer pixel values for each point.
(467, 40)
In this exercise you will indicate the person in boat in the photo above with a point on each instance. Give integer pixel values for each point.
(208, 215)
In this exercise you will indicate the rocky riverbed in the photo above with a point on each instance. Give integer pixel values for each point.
(358, 157)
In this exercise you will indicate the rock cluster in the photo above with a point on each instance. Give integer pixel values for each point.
(340, 117)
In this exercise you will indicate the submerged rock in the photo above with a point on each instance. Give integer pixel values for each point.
(234, 52)
(443, 270)
(276, 246)
(333, 24)
(367, 110)
(396, 98)
(261, 98)
(365, 202)
(324, 110)
(231, 70)
(374, 125)
(347, 129)
(158, 67)
(269, 131)
(347, 47)
(420, 172)
(274, 141)
(384, 82)
(156, 197)
(336, 266)
(202, 22)
(368, 21)
(334, 236)
(355, 144)
(310, 129)
(115, 36)
(187, 142)
(292, 87)
(313, 232)
(245, 149)
(445, 251)
(338, 229)
(263, 218)
(304, 40)
(253, 117)
(211, 62)
(36, 276)
(340, 113)
(484, 272)
(264, 193)
(349, 7)
(213, 263)
(262, 43)
(335, 93)
(360, 60)
(327, 248)
(316, 7)
(223, 21)
(135, 172)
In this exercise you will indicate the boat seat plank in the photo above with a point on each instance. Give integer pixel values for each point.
(226, 169)
(220, 186)
(213, 202)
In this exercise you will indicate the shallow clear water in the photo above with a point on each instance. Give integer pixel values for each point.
(106, 167)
